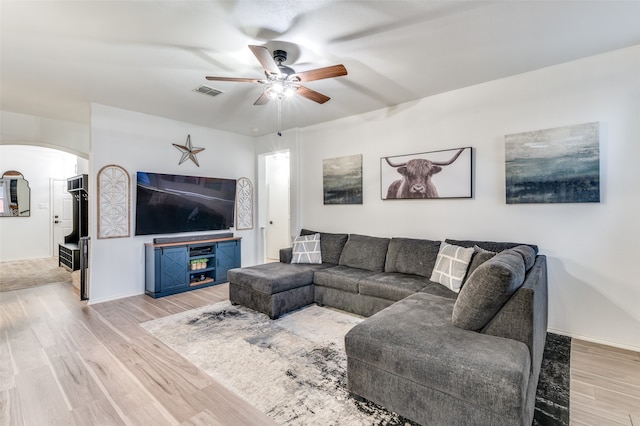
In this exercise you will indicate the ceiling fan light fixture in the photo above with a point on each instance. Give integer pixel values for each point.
(280, 90)
(289, 90)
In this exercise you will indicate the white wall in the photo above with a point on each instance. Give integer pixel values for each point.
(30, 237)
(16, 128)
(592, 249)
(139, 142)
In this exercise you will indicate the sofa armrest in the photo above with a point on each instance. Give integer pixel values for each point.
(286, 254)
(524, 316)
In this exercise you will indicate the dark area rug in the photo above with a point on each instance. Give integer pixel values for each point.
(552, 396)
(19, 274)
(294, 368)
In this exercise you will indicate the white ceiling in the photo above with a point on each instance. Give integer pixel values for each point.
(148, 56)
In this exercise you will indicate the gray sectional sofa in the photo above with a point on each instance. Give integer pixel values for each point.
(431, 354)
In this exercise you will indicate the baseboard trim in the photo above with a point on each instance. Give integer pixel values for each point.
(109, 299)
(596, 340)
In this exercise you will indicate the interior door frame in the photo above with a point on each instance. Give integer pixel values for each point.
(52, 198)
(263, 211)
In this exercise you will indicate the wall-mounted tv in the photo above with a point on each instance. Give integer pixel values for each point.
(167, 204)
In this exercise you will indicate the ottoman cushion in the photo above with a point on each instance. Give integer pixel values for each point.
(276, 277)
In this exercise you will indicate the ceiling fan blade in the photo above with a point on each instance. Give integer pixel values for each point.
(320, 73)
(312, 95)
(263, 99)
(236, 79)
(264, 57)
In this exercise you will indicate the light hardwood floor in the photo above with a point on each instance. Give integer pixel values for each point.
(63, 362)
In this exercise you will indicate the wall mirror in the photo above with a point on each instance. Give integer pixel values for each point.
(15, 195)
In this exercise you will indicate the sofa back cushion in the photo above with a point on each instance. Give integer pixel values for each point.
(528, 255)
(411, 256)
(480, 256)
(487, 289)
(364, 252)
(495, 246)
(331, 245)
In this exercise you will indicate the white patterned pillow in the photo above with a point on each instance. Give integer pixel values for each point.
(451, 266)
(306, 249)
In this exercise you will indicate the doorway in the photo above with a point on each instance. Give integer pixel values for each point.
(61, 213)
(277, 197)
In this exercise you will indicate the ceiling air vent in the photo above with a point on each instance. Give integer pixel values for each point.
(207, 90)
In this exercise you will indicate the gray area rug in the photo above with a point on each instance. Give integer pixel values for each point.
(552, 396)
(19, 274)
(293, 369)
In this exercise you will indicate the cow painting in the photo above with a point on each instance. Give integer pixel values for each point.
(416, 177)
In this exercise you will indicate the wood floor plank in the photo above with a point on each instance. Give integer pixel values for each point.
(164, 382)
(7, 370)
(11, 408)
(610, 352)
(24, 348)
(620, 386)
(150, 415)
(166, 304)
(592, 413)
(41, 399)
(75, 381)
(125, 393)
(97, 413)
(150, 310)
(204, 418)
(231, 407)
(626, 371)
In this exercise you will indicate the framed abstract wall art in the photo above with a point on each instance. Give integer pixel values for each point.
(435, 174)
(342, 180)
(559, 165)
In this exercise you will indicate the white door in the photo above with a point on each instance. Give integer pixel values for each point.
(62, 213)
(277, 188)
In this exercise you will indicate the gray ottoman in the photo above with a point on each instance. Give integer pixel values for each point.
(273, 288)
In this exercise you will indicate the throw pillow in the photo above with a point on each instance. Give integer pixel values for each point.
(306, 249)
(488, 289)
(451, 266)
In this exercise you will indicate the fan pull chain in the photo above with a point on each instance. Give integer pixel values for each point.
(279, 101)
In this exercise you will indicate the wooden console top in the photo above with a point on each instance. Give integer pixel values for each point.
(185, 243)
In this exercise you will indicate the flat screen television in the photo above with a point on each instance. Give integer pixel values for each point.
(167, 204)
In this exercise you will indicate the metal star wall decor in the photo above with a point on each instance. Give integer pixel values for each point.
(188, 151)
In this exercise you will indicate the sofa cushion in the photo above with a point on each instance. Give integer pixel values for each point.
(392, 285)
(412, 256)
(488, 289)
(451, 266)
(496, 246)
(330, 245)
(341, 277)
(306, 249)
(480, 256)
(438, 289)
(364, 252)
(414, 339)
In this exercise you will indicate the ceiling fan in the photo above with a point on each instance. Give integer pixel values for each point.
(281, 81)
